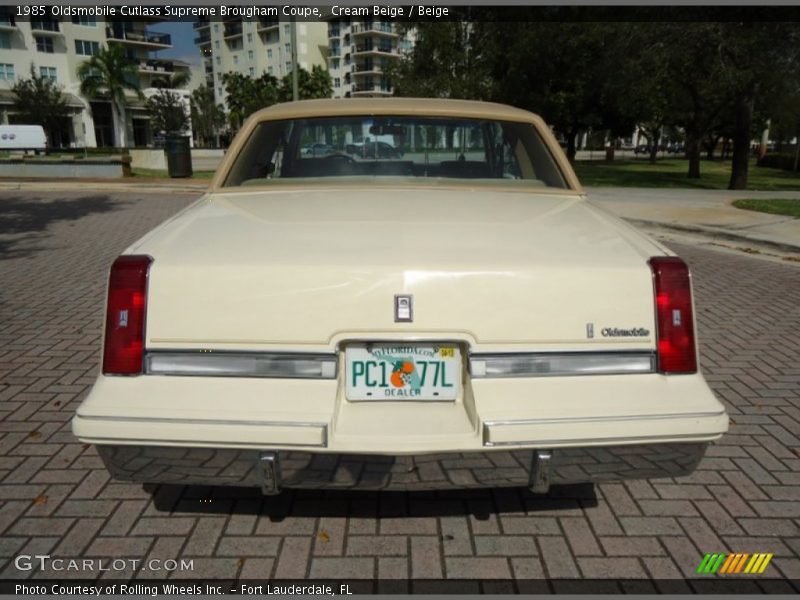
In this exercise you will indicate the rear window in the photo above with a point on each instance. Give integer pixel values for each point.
(416, 148)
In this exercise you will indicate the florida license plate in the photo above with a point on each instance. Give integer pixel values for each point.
(403, 372)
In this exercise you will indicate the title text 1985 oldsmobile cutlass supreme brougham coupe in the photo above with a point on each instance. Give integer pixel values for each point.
(450, 314)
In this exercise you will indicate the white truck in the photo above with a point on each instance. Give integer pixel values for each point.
(22, 137)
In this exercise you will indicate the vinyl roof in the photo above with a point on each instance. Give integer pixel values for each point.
(429, 107)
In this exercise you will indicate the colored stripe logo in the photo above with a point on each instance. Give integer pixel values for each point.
(732, 564)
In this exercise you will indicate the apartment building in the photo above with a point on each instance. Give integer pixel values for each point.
(256, 46)
(55, 48)
(359, 53)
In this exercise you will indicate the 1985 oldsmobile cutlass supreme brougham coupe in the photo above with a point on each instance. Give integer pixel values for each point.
(452, 314)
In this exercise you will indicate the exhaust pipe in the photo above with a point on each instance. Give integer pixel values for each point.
(540, 471)
(269, 471)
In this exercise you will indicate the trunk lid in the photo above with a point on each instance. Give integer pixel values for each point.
(304, 269)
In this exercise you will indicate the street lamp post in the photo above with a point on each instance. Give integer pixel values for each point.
(295, 90)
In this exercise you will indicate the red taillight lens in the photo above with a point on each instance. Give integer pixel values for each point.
(127, 295)
(674, 315)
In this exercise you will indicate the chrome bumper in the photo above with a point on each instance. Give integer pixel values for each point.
(273, 471)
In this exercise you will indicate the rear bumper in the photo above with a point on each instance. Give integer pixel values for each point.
(274, 470)
(276, 433)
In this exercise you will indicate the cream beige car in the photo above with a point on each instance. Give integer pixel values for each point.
(452, 314)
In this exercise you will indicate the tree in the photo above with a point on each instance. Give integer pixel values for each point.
(314, 84)
(167, 112)
(207, 116)
(174, 81)
(246, 95)
(39, 101)
(557, 69)
(448, 61)
(759, 62)
(108, 75)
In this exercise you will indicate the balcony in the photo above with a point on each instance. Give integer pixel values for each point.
(367, 69)
(373, 27)
(267, 24)
(201, 23)
(155, 65)
(334, 52)
(334, 32)
(45, 27)
(372, 89)
(203, 38)
(232, 30)
(373, 49)
(7, 21)
(140, 37)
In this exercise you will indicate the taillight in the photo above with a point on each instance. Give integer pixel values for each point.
(674, 315)
(125, 314)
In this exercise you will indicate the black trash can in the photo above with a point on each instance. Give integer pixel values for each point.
(179, 155)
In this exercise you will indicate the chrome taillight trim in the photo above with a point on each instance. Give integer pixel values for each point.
(561, 364)
(216, 363)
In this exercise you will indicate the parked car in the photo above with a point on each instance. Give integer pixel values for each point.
(374, 149)
(676, 148)
(381, 150)
(325, 324)
(316, 149)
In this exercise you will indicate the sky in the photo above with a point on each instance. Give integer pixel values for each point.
(183, 47)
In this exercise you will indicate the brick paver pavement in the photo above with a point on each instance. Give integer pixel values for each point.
(56, 498)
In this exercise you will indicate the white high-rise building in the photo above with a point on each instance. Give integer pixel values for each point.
(359, 53)
(256, 46)
(55, 48)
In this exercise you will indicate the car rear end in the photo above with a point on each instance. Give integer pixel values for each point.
(366, 335)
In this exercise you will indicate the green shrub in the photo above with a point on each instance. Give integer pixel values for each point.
(778, 160)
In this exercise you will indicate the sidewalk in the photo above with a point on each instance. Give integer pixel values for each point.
(702, 211)
(708, 212)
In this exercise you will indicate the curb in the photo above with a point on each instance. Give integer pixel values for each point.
(715, 232)
(45, 185)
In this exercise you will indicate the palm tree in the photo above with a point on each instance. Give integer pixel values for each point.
(108, 74)
(178, 79)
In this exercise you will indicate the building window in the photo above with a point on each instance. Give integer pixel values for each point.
(216, 27)
(86, 48)
(219, 92)
(44, 44)
(287, 48)
(249, 38)
(219, 60)
(337, 82)
(287, 30)
(270, 69)
(6, 72)
(216, 44)
(269, 52)
(250, 55)
(236, 59)
(5, 40)
(48, 73)
(288, 66)
(86, 21)
(252, 72)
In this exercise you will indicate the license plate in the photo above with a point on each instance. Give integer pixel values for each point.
(403, 372)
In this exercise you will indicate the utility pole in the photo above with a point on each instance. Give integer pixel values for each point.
(295, 89)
